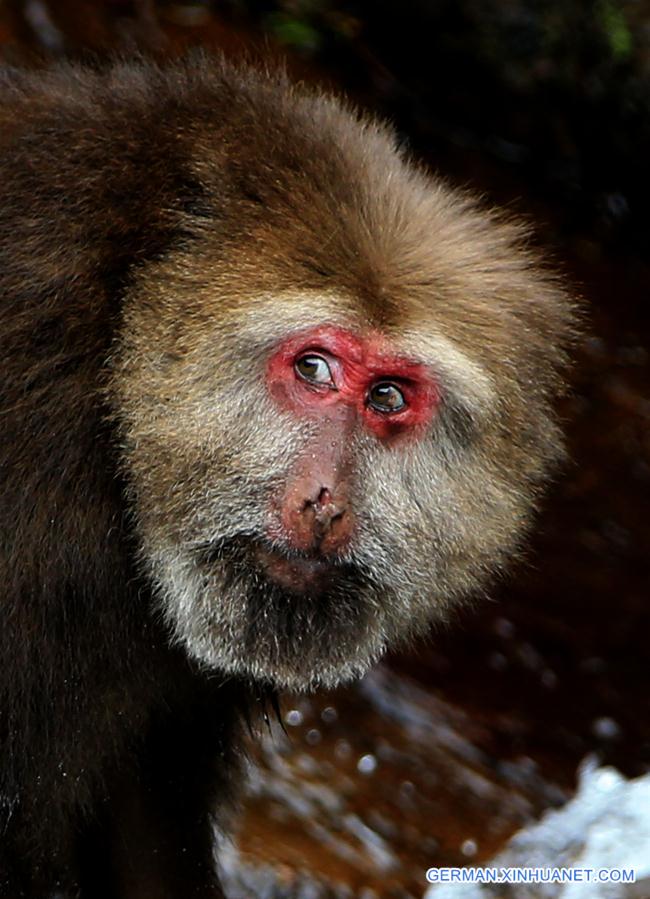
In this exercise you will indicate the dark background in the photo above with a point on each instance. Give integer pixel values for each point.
(542, 106)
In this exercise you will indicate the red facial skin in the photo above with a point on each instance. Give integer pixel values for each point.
(356, 364)
(314, 516)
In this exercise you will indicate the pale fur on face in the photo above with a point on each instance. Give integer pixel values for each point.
(207, 451)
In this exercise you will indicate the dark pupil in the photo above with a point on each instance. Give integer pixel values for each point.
(314, 368)
(386, 398)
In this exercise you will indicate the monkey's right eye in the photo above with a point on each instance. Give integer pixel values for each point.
(314, 369)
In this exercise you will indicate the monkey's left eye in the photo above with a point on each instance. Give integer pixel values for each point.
(386, 397)
(314, 369)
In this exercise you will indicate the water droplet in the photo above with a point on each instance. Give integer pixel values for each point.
(342, 750)
(469, 848)
(313, 736)
(329, 715)
(367, 764)
(293, 718)
(606, 729)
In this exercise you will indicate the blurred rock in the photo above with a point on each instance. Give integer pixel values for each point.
(605, 825)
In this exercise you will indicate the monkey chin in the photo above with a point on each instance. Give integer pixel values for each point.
(293, 622)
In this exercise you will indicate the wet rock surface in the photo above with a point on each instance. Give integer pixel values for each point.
(605, 826)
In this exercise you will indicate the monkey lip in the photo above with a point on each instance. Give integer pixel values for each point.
(296, 573)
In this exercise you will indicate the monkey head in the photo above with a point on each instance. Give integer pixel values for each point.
(334, 393)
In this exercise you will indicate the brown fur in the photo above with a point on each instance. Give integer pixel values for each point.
(160, 231)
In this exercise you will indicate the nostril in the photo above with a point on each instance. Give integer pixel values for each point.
(327, 509)
(318, 518)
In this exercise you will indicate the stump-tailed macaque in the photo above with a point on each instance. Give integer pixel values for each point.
(272, 399)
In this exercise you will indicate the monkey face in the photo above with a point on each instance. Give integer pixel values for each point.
(309, 497)
(334, 398)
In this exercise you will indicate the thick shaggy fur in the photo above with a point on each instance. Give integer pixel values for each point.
(160, 231)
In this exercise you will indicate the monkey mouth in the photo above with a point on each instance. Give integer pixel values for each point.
(298, 574)
(292, 572)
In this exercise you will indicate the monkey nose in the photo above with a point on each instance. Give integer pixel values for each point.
(323, 523)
